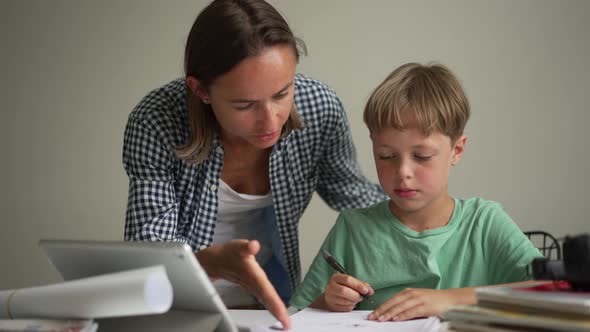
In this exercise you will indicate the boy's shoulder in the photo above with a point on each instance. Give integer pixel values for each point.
(360, 223)
(373, 213)
(478, 204)
(482, 213)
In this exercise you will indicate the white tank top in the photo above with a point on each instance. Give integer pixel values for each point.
(239, 217)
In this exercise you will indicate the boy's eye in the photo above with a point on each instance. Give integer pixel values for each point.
(422, 157)
(386, 157)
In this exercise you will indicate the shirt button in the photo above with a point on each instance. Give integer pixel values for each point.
(213, 187)
(202, 246)
(219, 150)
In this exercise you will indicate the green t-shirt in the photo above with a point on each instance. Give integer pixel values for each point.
(480, 245)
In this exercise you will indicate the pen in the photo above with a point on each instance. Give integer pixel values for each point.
(334, 263)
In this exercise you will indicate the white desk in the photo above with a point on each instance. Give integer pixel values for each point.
(254, 318)
(187, 321)
(251, 318)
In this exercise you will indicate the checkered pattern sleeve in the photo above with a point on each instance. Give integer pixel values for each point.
(342, 184)
(149, 160)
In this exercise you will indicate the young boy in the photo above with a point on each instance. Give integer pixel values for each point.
(423, 250)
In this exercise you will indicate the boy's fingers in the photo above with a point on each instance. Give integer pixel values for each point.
(350, 294)
(343, 307)
(343, 301)
(406, 307)
(409, 313)
(339, 292)
(387, 305)
(360, 287)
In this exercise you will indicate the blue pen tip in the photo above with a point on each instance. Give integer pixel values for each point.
(325, 253)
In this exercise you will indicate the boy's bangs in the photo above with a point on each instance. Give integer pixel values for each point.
(395, 111)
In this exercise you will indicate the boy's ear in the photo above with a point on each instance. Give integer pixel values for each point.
(458, 150)
(197, 88)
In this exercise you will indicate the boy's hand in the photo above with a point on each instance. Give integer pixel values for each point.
(417, 302)
(342, 293)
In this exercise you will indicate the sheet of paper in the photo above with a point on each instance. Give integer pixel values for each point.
(314, 320)
(128, 293)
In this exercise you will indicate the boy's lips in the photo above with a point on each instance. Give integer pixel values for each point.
(405, 192)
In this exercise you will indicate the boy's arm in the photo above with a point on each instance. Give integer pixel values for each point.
(418, 302)
(507, 250)
(320, 273)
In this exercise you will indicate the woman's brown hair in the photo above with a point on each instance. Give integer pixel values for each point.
(225, 33)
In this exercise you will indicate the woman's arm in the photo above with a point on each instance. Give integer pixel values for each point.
(153, 213)
(341, 182)
(236, 261)
(152, 207)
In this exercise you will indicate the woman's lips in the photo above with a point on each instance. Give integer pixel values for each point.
(267, 137)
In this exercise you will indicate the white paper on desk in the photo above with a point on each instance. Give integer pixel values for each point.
(314, 320)
(127, 293)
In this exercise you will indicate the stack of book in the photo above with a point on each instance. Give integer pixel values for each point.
(48, 325)
(551, 306)
(73, 306)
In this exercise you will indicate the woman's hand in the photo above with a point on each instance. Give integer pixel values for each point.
(417, 302)
(342, 293)
(235, 261)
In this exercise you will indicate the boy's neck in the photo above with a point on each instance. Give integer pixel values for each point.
(436, 214)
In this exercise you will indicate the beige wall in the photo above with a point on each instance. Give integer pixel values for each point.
(71, 71)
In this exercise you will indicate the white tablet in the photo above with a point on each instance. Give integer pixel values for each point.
(193, 291)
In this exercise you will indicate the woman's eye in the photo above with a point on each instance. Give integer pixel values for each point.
(281, 95)
(243, 107)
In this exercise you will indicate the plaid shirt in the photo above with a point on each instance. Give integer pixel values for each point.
(172, 200)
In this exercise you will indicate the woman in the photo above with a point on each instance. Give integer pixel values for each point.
(235, 150)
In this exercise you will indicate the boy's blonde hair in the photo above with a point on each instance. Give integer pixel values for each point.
(431, 94)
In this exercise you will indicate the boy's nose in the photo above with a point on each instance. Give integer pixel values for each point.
(404, 170)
